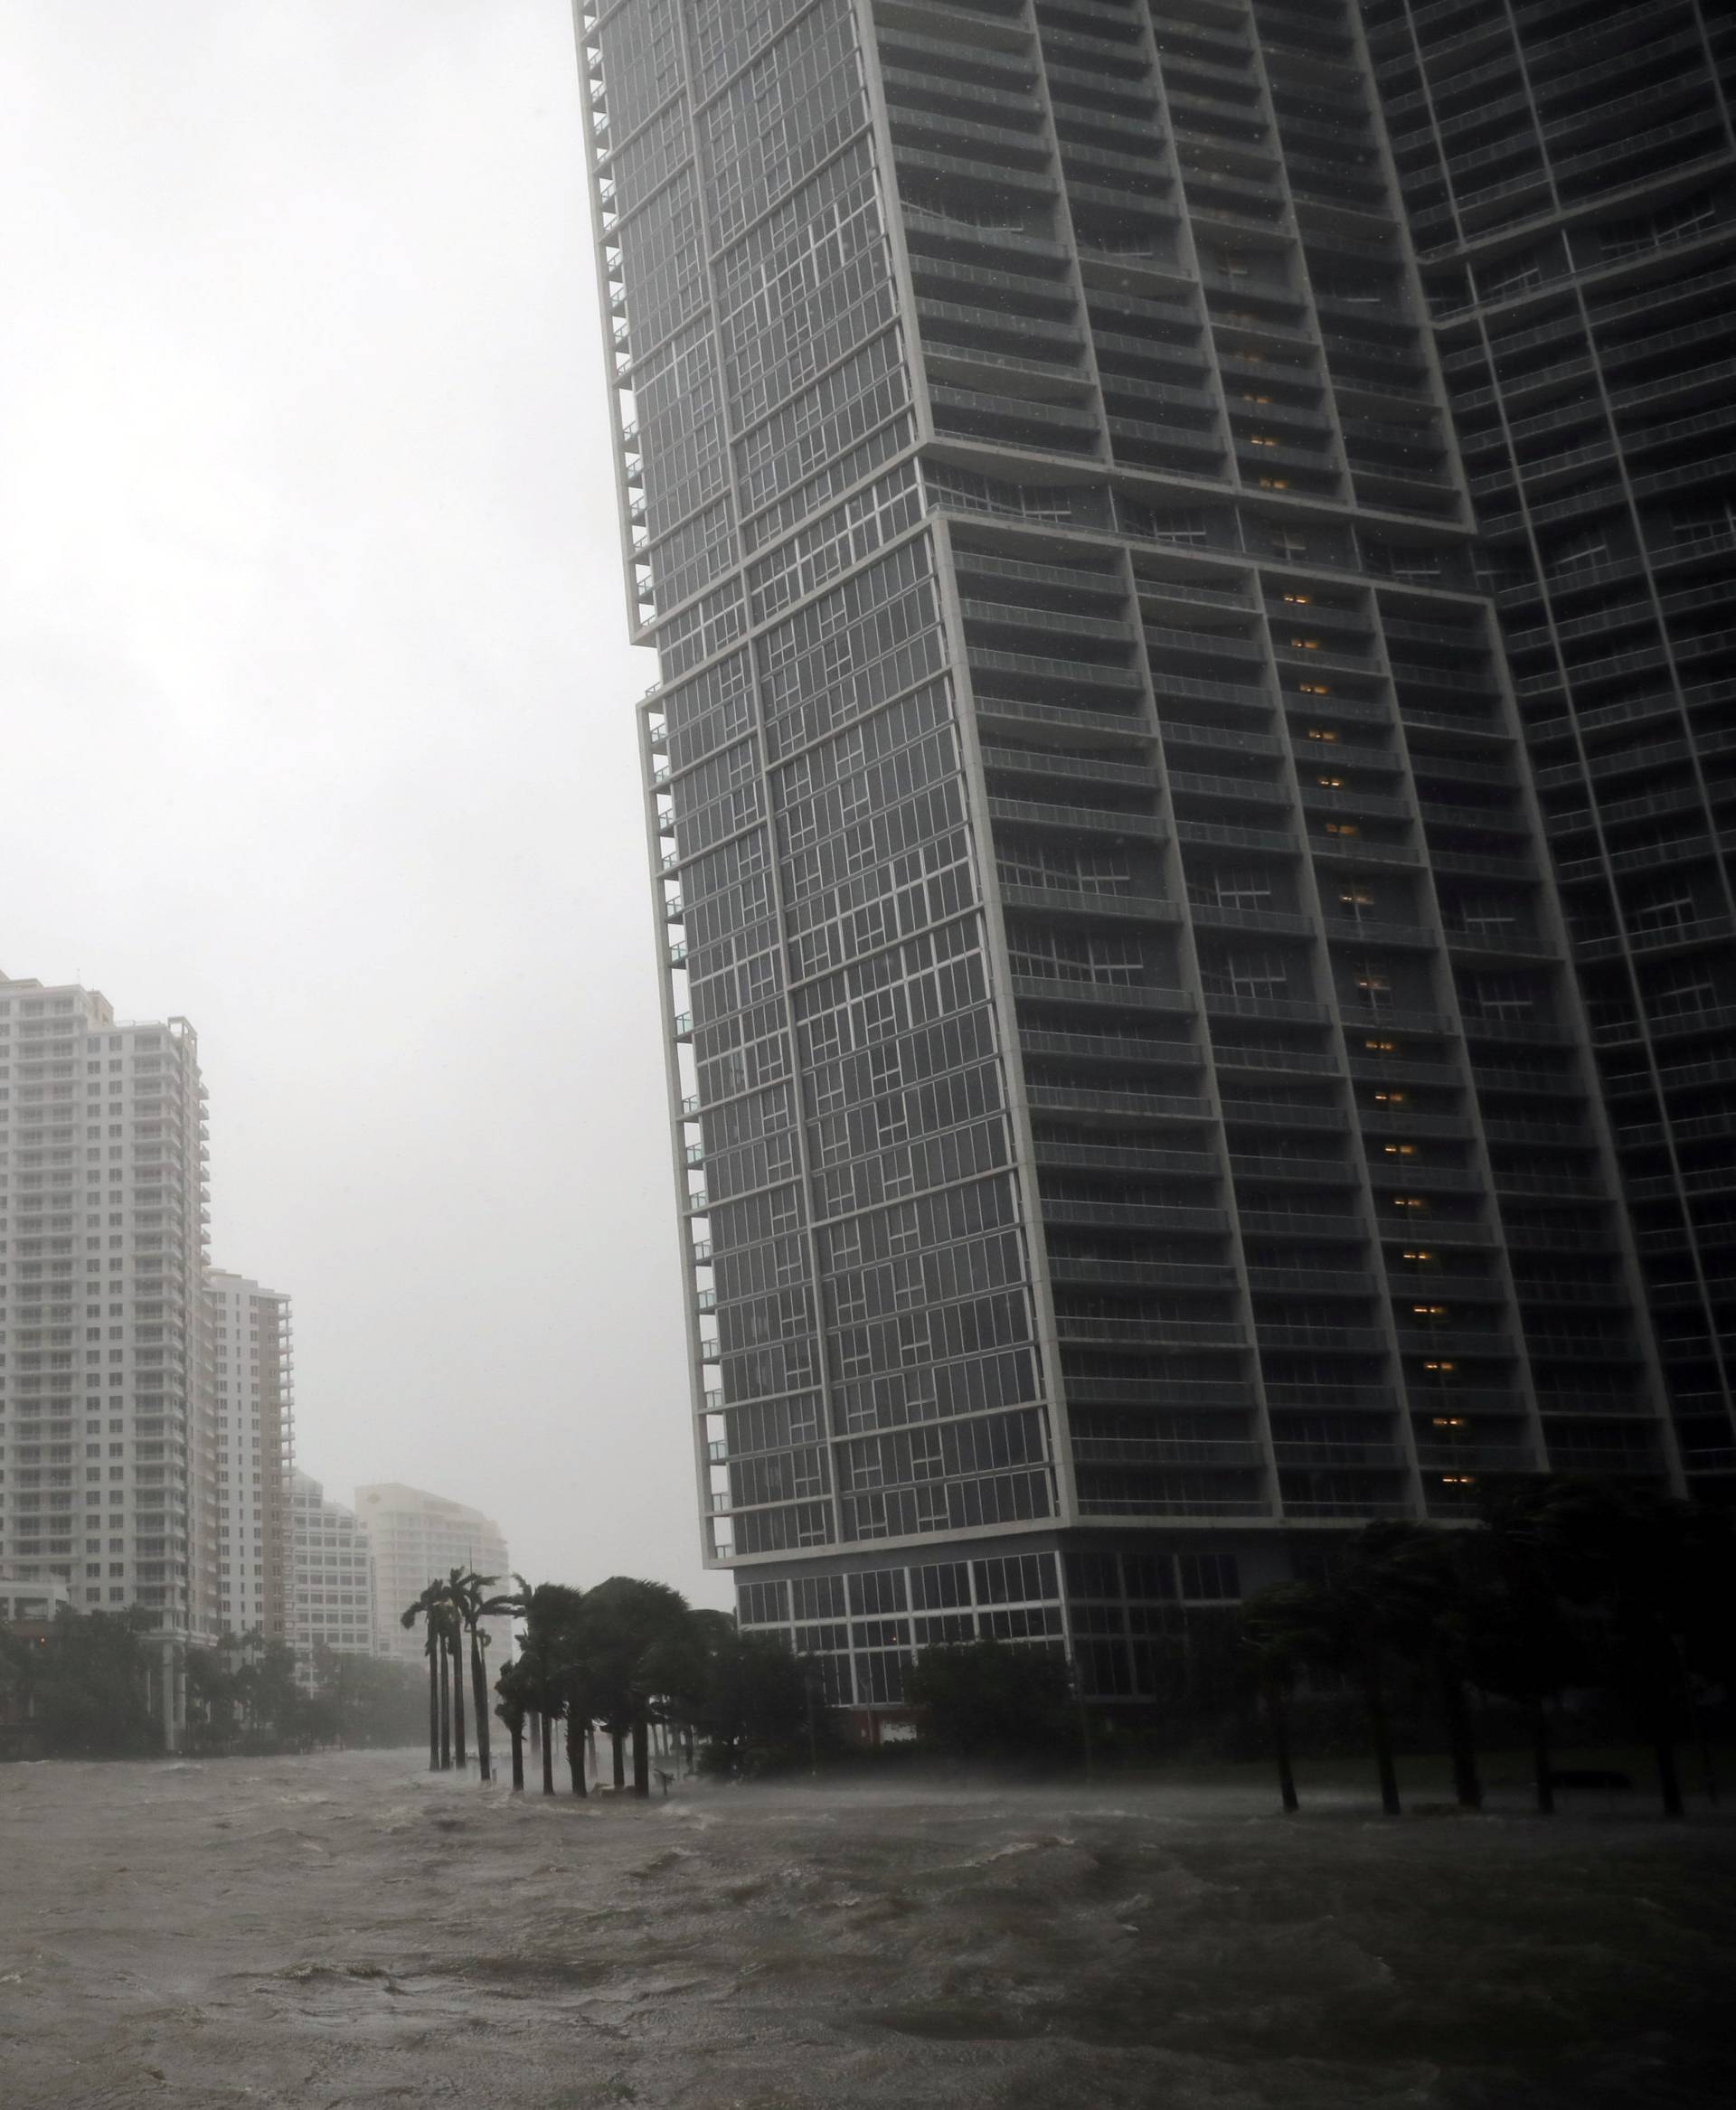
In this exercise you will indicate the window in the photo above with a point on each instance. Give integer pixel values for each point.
(1241, 889)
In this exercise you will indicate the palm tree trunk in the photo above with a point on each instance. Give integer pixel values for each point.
(576, 1755)
(433, 1712)
(1467, 1788)
(1279, 1726)
(517, 1736)
(1538, 1722)
(548, 1756)
(458, 1751)
(641, 1756)
(1669, 1781)
(618, 1745)
(479, 1693)
(1379, 1735)
(446, 1708)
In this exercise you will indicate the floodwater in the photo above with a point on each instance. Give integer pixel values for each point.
(349, 1930)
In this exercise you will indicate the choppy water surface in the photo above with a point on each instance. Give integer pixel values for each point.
(343, 1930)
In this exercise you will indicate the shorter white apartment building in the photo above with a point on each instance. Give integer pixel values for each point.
(331, 1576)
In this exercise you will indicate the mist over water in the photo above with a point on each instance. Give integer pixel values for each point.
(350, 1930)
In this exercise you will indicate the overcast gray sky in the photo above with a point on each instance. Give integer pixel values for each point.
(318, 717)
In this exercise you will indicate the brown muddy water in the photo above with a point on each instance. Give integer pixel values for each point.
(348, 1930)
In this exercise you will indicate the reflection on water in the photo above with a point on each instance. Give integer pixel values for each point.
(348, 1930)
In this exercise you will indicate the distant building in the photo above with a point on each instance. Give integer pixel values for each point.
(417, 1537)
(332, 1582)
(105, 1398)
(252, 1377)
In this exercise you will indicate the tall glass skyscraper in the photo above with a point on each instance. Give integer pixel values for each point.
(1135, 1109)
(1569, 173)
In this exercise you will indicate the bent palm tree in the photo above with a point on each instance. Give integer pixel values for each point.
(424, 1608)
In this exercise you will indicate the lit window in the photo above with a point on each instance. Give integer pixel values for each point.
(1299, 600)
(1391, 1099)
(1418, 1256)
(1381, 1047)
(1412, 1205)
(1447, 1421)
(1440, 1369)
(1400, 1149)
(1321, 732)
(1429, 1311)
(1315, 689)
(1330, 783)
(1274, 483)
(1458, 1480)
(1305, 644)
(1343, 828)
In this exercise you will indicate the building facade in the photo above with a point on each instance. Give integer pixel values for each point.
(105, 1412)
(1569, 173)
(331, 1598)
(252, 1364)
(418, 1539)
(1132, 1103)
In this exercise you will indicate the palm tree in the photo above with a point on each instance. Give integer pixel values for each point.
(1420, 1579)
(626, 1622)
(1271, 1652)
(516, 1694)
(449, 1610)
(1339, 1623)
(423, 1608)
(547, 1676)
(465, 1591)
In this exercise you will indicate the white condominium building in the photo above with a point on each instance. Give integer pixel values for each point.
(331, 1583)
(106, 1435)
(253, 1365)
(417, 1537)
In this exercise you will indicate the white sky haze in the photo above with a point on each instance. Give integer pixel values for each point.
(317, 714)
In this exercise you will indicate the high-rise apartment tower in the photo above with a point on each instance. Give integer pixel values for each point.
(253, 1404)
(1134, 1105)
(105, 1395)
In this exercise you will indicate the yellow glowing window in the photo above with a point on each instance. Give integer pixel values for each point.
(1412, 1204)
(1400, 1149)
(1447, 1421)
(1247, 398)
(1343, 828)
(1260, 439)
(1320, 732)
(1357, 898)
(1429, 1311)
(1458, 1480)
(1330, 783)
(1305, 644)
(1381, 1047)
(1274, 483)
(1299, 600)
(1315, 689)
(1441, 1368)
(1419, 1253)
(1390, 1099)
